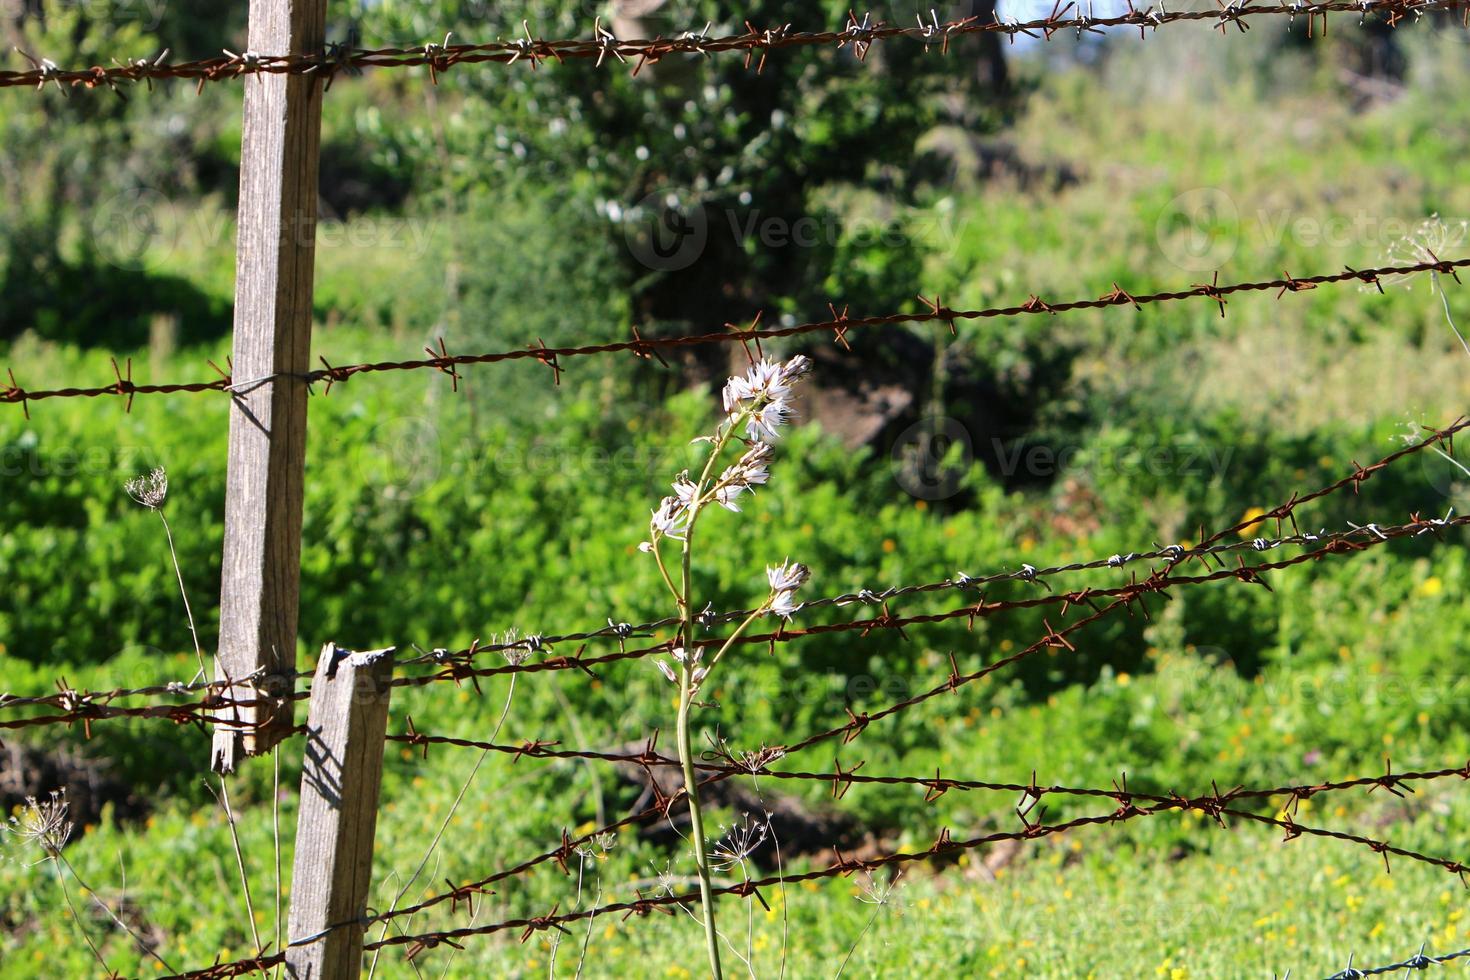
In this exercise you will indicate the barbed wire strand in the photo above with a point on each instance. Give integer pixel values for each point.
(1418, 961)
(842, 866)
(86, 706)
(604, 48)
(756, 764)
(646, 347)
(857, 723)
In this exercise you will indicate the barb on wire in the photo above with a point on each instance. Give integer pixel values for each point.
(756, 44)
(1419, 961)
(759, 765)
(842, 866)
(459, 666)
(858, 723)
(1215, 804)
(643, 346)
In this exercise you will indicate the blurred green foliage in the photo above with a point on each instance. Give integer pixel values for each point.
(500, 207)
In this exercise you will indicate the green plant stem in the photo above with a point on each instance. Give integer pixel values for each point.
(685, 742)
(658, 557)
(696, 822)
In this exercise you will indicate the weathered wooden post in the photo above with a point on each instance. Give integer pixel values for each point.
(343, 771)
(261, 576)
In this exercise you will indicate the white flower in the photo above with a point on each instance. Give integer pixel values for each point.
(671, 518)
(785, 579)
(765, 420)
(683, 656)
(685, 491)
(766, 384)
(43, 824)
(150, 490)
(1432, 240)
(755, 462)
(727, 495)
(787, 576)
(645, 546)
(750, 470)
(740, 842)
(784, 604)
(666, 670)
(763, 380)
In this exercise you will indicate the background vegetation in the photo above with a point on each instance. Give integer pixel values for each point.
(503, 206)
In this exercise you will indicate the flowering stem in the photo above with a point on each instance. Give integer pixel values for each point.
(179, 574)
(758, 402)
(96, 953)
(686, 754)
(696, 822)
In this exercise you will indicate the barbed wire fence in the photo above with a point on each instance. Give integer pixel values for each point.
(755, 44)
(256, 704)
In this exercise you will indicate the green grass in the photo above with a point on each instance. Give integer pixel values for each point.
(435, 520)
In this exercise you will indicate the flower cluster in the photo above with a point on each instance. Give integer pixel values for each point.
(150, 490)
(43, 823)
(698, 671)
(785, 579)
(762, 398)
(740, 842)
(761, 401)
(750, 470)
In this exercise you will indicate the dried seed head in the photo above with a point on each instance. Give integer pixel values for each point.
(43, 824)
(150, 490)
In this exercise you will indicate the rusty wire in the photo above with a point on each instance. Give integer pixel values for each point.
(1215, 805)
(856, 724)
(1337, 543)
(758, 764)
(647, 347)
(755, 43)
(1159, 582)
(1212, 805)
(86, 706)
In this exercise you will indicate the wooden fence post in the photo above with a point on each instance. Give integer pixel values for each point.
(343, 771)
(261, 574)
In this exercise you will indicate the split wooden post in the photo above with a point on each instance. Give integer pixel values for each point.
(340, 778)
(261, 574)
